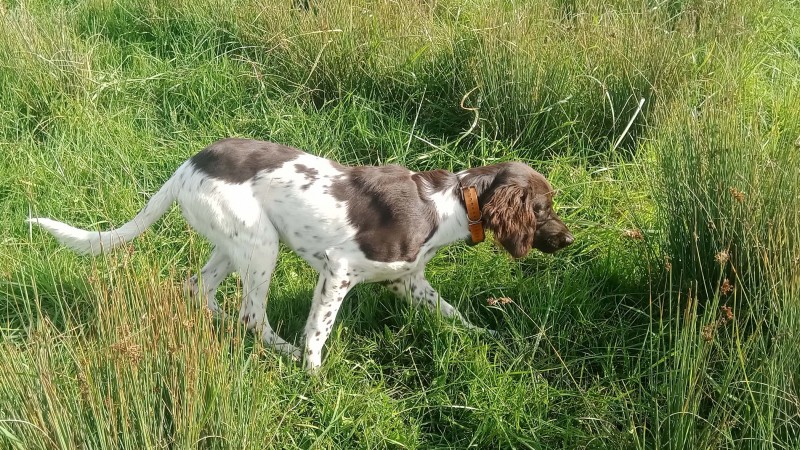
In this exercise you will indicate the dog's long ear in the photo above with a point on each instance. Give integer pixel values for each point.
(509, 214)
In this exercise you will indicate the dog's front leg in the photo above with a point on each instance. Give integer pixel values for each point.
(416, 288)
(333, 285)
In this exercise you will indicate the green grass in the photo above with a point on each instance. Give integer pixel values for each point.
(679, 208)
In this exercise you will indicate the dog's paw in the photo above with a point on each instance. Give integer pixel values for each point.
(487, 331)
(481, 330)
(296, 355)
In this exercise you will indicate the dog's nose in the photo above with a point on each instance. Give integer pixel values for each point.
(568, 239)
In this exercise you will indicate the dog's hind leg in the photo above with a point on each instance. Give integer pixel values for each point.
(256, 264)
(216, 269)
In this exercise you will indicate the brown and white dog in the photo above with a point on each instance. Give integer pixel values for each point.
(352, 224)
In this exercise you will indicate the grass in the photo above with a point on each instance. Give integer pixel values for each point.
(681, 209)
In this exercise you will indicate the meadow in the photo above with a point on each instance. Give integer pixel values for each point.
(670, 128)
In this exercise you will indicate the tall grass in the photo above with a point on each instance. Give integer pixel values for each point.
(682, 209)
(727, 183)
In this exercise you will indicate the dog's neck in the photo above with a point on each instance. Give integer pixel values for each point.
(452, 213)
(482, 178)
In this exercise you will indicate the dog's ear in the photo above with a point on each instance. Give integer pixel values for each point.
(510, 215)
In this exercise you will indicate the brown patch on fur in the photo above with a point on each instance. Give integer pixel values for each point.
(239, 160)
(390, 209)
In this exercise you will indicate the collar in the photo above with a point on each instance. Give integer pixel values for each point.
(470, 195)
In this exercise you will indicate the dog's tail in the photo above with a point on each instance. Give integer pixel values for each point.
(96, 242)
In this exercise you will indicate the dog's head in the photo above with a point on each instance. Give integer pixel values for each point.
(518, 208)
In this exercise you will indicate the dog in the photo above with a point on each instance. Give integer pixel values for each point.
(352, 224)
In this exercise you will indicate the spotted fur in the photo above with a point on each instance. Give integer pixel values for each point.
(352, 224)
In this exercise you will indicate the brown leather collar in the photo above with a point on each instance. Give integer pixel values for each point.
(474, 215)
